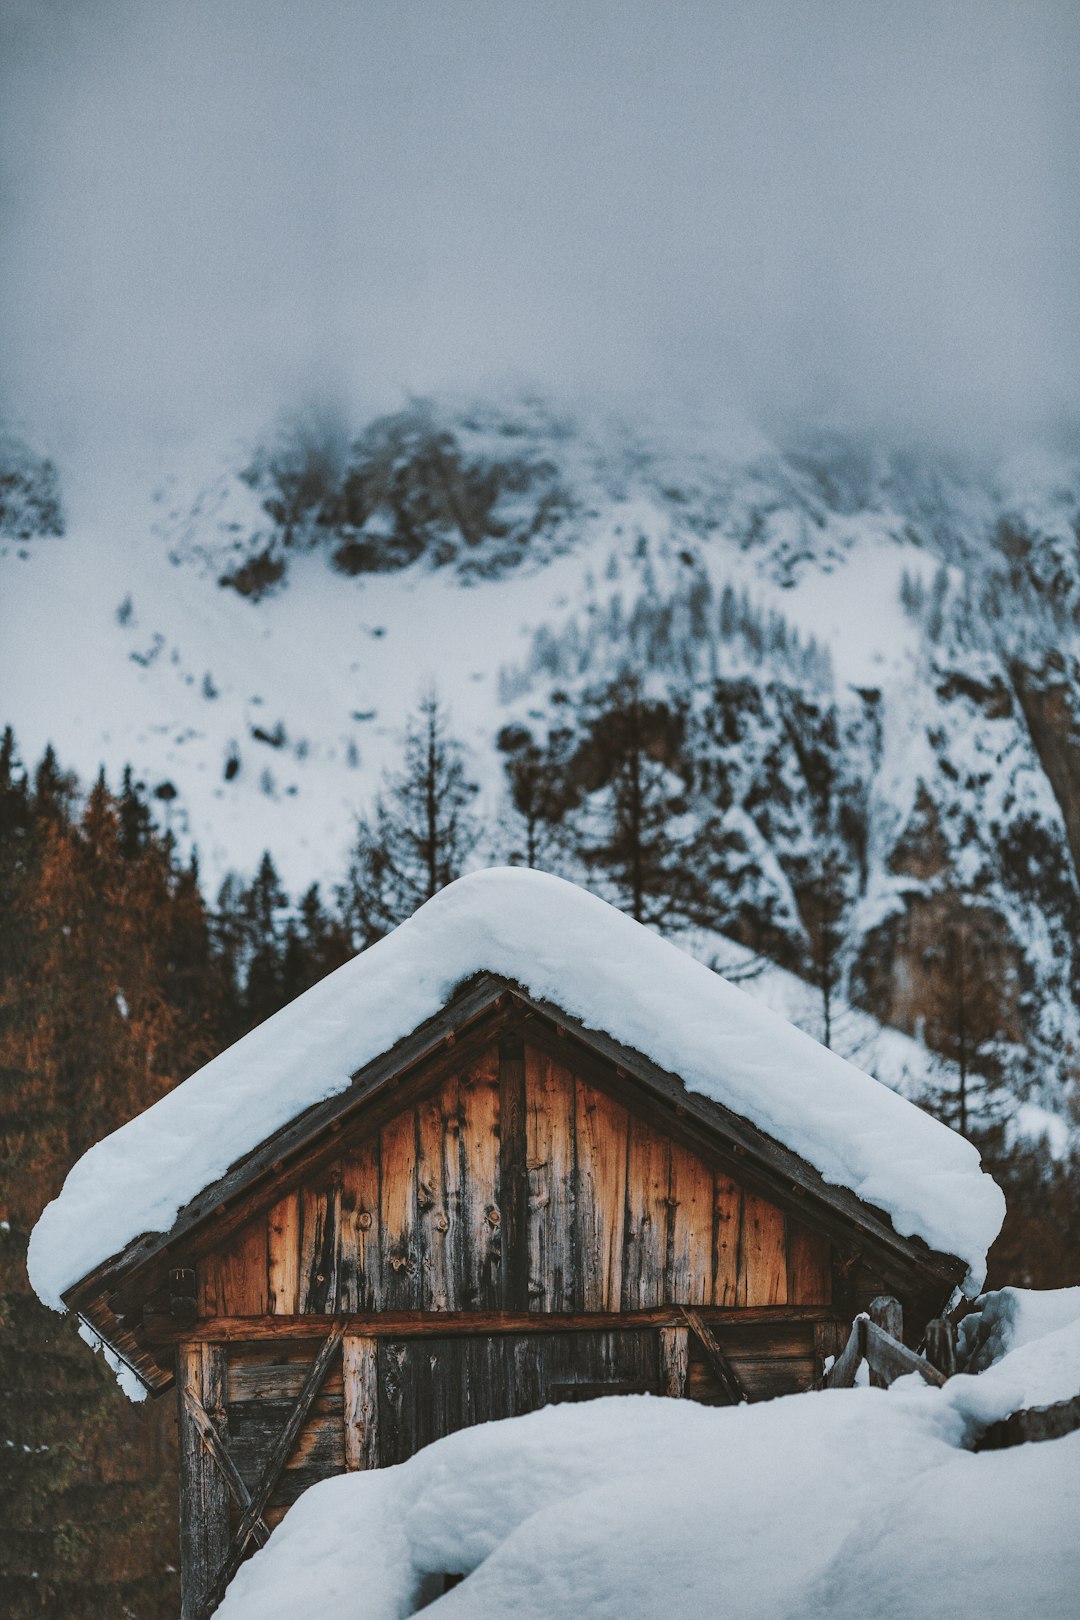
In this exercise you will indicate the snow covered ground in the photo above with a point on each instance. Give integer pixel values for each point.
(856, 1503)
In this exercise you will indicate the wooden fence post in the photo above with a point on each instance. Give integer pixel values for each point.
(941, 1345)
(204, 1494)
(887, 1314)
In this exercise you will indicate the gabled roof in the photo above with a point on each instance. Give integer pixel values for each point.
(561, 948)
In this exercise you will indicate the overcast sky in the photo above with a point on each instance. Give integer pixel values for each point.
(867, 211)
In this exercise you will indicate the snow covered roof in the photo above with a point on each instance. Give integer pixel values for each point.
(564, 946)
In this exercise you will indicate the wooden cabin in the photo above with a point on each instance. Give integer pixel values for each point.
(506, 1209)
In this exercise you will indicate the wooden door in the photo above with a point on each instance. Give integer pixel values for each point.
(430, 1387)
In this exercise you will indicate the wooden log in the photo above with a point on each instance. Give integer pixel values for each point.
(218, 1450)
(260, 1496)
(887, 1314)
(889, 1360)
(204, 1494)
(1031, 1424)
(361, 1380)
(162, 1330)
(941, 1345)
(723, 1371)
(674, 1360)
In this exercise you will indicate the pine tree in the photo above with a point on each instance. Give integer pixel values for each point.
(964, 1015)
(539, 794)
(420, 835)
(629, 826)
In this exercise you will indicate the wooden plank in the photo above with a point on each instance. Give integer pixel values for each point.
(690, 1230)
(361, 1275)
(480, 1191)
(809, 1260)
(361, 1415)
(645, 1248)
(265, 1330)
(254, 1429)
(727, 1239)
(723, 1371)
(600, 1135)
(204, 1494)
(764, 1253)
(320, 1252)
(674, 1360)
(550, 1094)
(232, 1278)
(761, 1380)
(513, 1173)
(438, 1196)
(1031, 1424)
(400, 1256)
(283, 1256)
(262, 1492)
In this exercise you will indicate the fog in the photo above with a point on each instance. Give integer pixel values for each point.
(819, 212)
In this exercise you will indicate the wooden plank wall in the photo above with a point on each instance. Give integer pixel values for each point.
(436, 1212)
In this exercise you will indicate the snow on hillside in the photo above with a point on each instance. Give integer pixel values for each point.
(822, 619)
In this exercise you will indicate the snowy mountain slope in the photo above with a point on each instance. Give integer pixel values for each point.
(825, 624)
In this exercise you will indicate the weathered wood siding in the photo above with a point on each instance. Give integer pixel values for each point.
(515, 1185)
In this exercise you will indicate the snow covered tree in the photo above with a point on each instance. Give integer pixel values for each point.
(964, 1014)
(420, 834)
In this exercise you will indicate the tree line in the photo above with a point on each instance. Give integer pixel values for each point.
(119, 977)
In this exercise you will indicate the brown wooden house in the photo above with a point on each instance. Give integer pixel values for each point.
(504, 1210)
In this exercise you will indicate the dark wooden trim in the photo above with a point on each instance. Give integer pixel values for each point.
(274, 1466)
(161, 1330)
(721, 1367)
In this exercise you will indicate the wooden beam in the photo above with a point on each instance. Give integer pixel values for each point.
(722, 1370)
(204, 1494)
(218, 1450)
(941, 1345)
(513, 1175)
(674, 1360)
(274, 1465)
(161, 1330)
(360, 1377)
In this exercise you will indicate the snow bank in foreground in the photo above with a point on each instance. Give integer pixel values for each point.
(566, 946)
(849, 1503)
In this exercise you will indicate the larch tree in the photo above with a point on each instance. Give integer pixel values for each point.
(421, 832)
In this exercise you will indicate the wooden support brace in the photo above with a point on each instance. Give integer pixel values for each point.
(723, 1371)
(218, 1450)
(287, 1439)
(361, 1384)
(841, 1375)
(941, 1345)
